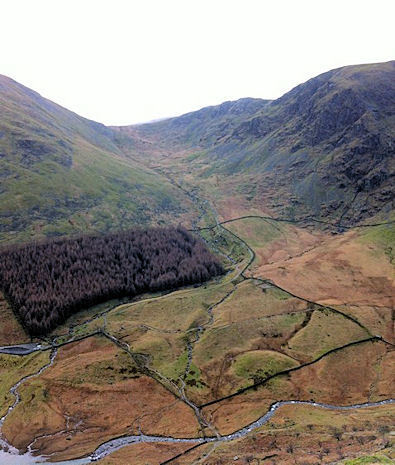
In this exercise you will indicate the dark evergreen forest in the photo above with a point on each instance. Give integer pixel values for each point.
(48, 281)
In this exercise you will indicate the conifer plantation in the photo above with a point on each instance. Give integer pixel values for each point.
(46, 282)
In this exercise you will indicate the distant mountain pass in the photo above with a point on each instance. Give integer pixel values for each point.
(324, 149)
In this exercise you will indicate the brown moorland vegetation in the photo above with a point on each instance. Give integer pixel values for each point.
(300, 434)
(92, 393)
(11, 331)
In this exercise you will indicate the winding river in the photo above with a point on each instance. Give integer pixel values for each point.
(11, 456)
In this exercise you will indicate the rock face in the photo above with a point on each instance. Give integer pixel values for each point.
(326, 148)
(337, 131)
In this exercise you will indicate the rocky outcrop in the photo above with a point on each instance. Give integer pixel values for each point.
(333, 134)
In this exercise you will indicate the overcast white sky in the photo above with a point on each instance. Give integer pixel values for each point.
(126, 61)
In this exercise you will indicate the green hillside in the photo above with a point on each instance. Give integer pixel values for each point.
(323, 150)
(63, 174)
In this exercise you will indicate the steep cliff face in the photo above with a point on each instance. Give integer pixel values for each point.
(324, 109)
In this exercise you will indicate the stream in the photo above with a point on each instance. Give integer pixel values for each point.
(21, 349)
(9, 455)
(12, 456)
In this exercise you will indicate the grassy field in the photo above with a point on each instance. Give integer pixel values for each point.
(325, 331)
(333, 380)
(11, 331)
(307, 435)
(93, 392)
(12, 369)
(382, 237)
(369, 460)
(260, 364)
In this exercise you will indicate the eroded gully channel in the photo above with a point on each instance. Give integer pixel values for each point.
(9, 455)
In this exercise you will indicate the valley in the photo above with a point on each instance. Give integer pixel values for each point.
(179, 360)
(286, 358)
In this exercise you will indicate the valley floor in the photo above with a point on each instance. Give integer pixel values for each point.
(302, 315)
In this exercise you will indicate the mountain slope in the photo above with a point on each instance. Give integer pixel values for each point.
(199, 128)
(324, 149)
(301, 314)
(61, 173)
